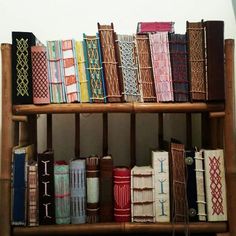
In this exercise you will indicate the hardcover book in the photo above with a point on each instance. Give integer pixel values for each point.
(152, 27)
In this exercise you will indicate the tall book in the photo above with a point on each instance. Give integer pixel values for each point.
(160, 165)
(160, 55)
(128, 68)
(146, 80)
(215, 185)
(179, 66)
(109, 62)
(142, 194)
(196, 60)
(46, 188)
(152, 27)
(62, 192)
(122, 194)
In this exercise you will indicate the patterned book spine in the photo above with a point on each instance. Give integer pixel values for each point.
(92, 177)
(46, 188)
(179, 68)
(215, 185)
(78, 191)
(128, 68)
(109, 62)
(55, 72)
(146, 80)
(142, 194)
(84, 85)
(196, 60)
(62, 192)
(22, 88)
(40, 75)
(33, 217)
(70, 66)
(159, 45)
(94, 70)
(152, 27)
(122, 194)
(160, 164)
(106, 189)
(201, 195)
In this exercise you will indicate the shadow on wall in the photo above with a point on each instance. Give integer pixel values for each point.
(234, 7)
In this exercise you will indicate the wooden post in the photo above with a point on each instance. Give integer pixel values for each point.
(132, 139)
(105, 134)
(49, 131)
(160, 130)
(189, 130)
(77, 135)
(206, 130)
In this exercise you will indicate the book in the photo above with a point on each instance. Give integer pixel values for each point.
(152, 27)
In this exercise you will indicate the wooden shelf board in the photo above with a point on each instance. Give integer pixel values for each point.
(118, 108)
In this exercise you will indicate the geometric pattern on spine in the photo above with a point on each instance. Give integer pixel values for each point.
(94, 68)
(179, 69)
(128, 68)
(196, 60)
(152, 27)
(146, 80)
(159, 45)
(110, 64)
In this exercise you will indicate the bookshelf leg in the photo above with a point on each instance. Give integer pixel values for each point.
(105, 134)
(77, 135)
(133, 139)
(160, 130)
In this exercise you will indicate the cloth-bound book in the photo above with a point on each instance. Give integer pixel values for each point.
(152, 27)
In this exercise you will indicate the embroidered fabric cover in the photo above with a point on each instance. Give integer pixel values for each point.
(55, 72)
(215, 185)
(94, 70)
(159, 45)
(122, 194)
(142, 194)
(146, 81)
(152, 27)
(128, 68)
(109, 62)
(78, 191)
(160, 165)
(196, 60)
(40, 75)
(84, 85)
(179, 68)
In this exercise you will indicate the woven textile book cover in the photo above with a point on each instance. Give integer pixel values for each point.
(215, 185)
(152, 27)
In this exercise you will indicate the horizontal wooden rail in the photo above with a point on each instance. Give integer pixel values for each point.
(20, 118)
(216, 114)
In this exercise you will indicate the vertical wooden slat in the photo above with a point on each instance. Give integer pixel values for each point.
(132, 139)
(77, 135)
(206, 130)
(214, 132)
(160, 130)
(32, 131)
(49, 131)
(220, 136)
(189, 130)
(105, 134)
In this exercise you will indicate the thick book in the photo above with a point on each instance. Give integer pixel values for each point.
(122, 194)
(215, 185)
(152, 27)
(62, 192)
(179, 66)
(94, 69)
(106, 189)
(41, 93)
(159, 45)
(128, 67)
(109, 62)
(46, 188)
(146, 80)
(160, 165)
(142, 194)
(78, 191)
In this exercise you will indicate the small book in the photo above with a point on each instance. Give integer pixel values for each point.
(152, 27)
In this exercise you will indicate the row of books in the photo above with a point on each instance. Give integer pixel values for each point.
(179, 186)
(154, 65)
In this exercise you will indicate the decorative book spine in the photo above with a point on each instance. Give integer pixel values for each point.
(128, 68)
(78, 191)
(179, 68)
(215, 60)
(122, 194)
(94, 70)
(215, 185)
(152, 27)
(142, 194)
(92, 176)
(22, 88)
(201, 196)
(106, 189)
(160, 55)
(146, 81)
(160, 164)
(46, 188)
(109, 62)
(70, 66)
(33, 219)
(84, 86)
(62, 192)
(196, 60)
(40, 75)
(55, 72)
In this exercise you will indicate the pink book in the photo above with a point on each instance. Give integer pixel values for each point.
(151, 27)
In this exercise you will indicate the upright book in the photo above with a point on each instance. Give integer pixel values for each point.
(152, 27)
